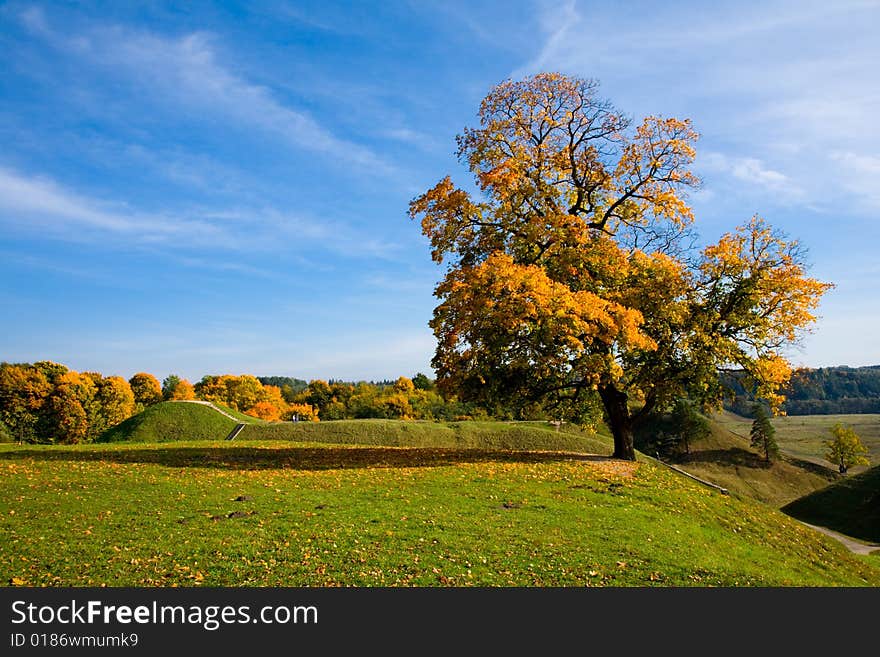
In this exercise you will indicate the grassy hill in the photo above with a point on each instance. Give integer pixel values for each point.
(171, 421)
(175, 421)
(802, 435)
(470, 434)
(243, 418)
(850, 506)
(278, 513)
(727, 459)
(723, 458)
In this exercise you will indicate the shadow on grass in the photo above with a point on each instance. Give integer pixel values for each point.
(746, 459)
(296, 458)
(731, 456)
(811, 466)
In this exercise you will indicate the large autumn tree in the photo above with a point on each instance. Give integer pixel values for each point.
(572, 272)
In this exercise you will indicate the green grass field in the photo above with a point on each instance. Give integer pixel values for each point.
(802, 435)
(851, 506)
(270, 513)
(723, 458)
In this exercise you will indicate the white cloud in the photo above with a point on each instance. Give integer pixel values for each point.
(860, 176)
(29, 204)
(557, 22)
(753, 171)
(867, 165)
(355, 357)
(186, 72)
(752, 76)
(415, 138)
(34, 201)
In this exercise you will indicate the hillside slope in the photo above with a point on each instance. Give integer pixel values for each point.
(467, 434)
(728, 459)
(175, 421)
(850, 506)
(171, 421)
(275, 513)
(723, 458)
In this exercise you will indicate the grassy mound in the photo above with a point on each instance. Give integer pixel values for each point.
(171, 421)
(280, 514)
(724, 457)
(728, 459)
(851, 506)
(243, 418)
(174, 421)
(470, 434)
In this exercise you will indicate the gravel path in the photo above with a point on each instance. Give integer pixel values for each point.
(209, 404)
(851, 544)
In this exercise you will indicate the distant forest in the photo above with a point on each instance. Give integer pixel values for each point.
(822, 391)
(299, 385)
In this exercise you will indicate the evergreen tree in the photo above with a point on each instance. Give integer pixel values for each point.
(763, 434)
(169, 385)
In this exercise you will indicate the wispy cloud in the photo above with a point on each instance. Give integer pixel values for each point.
(40, 204)
(396, 353)
(399, 285)
(754, 172)
(186, 71)
(37, 202)
(861, 175)
(558, 23)
(420, 140)
(779, 73)
(573, 37)
(86, 271)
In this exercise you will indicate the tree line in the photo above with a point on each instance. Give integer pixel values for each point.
(46, 402)
(820, 391)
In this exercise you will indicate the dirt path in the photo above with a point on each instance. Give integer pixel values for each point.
(851, 544)
(210, 405)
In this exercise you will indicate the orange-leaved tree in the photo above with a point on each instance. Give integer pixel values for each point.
(70, 406)
(146, 388)
(302, 413)
(572, 272)
(183, 390)
(24, 391)
(115, 402)
(270, 404)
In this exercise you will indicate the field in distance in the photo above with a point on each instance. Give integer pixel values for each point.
(802, 435)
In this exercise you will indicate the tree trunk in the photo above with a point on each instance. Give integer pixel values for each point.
(619, 421)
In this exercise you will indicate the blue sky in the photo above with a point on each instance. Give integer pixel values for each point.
(221, 187)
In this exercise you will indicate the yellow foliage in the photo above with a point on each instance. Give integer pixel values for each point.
(146, 388)
(303, 412)
(404, 385)
(265, 411)
(575, 270)
(184, 391)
